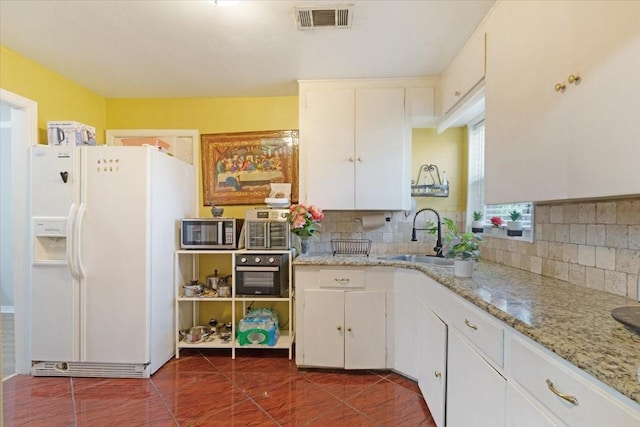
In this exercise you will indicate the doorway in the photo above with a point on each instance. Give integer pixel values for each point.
(18, 131)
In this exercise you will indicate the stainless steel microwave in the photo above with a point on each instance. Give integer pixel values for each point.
(208, 233)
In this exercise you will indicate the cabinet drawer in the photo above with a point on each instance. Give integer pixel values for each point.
(480, 329)
(341, 278)
(537, 373)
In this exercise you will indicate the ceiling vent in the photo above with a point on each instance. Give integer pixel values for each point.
(308, 18)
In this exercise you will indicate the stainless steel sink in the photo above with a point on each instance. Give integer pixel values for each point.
(422, 259)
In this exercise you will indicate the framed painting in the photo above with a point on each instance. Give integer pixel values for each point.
(238, 168)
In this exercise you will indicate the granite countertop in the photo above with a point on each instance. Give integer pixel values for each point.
(572, 321)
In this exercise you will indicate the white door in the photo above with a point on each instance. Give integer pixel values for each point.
(23, 129)
(432, 364)
(328, 138)
(323, 326)
(113, 227)
(475, 391)
(365, 326)
(382, 179)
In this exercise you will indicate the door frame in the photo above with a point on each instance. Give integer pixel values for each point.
(21, 223)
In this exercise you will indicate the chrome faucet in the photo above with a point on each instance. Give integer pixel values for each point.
(438, 247)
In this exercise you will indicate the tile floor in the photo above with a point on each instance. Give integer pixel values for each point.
(208, 388)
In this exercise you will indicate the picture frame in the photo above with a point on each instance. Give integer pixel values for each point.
(238, 168)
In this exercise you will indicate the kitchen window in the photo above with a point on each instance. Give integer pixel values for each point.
(475, 194)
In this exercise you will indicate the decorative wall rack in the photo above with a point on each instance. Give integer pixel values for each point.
(432, 185)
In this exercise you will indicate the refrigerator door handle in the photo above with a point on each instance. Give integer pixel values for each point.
(71, 245)
(78, 239)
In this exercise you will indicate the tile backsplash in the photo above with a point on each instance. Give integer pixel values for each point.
(594, 244)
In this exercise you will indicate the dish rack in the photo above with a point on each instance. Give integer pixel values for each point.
(351, 246)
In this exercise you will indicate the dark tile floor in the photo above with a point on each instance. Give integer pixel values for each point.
(208, 388)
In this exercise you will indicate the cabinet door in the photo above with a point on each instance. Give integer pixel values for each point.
(605, 150)
(475, 391)
(328, 136)
(466, 71)
(365, 324)
(323, 325)
(527, 128)
(522, 412)
(382, 148)
(432, 364)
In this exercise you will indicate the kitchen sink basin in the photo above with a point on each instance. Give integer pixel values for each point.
(422, 259)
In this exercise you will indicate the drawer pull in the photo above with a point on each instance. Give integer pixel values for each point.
(471, 325)
(339, 328)
(437, 374)
(342, 280)
(564, 396)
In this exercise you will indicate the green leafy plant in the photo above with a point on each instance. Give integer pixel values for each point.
(477, 216)
(462, 246)
(515, 215)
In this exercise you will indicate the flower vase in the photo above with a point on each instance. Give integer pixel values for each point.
(305, 245)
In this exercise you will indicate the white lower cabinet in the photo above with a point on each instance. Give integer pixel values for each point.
(472, 369)
(432, 366)
(560, 388)
(524, 412)
(344, 329)
(475, 390)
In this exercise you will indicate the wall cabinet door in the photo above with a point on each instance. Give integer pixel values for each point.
(382, 150)
(344, 329)
(432, 365)
(605, 150)
(464, 73)
(526, 133)
(355, 148)
(475, 391)
(327, 134)
(548, 144)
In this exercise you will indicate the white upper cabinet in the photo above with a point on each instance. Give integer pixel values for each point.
(562, 97)
(355, 141)
(464, 73)
(604, 157)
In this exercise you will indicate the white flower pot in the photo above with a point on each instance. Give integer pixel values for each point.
(477, 226)
(463, 268)
(514, 228)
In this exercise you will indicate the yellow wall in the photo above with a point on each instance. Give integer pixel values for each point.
(58, 98)
(448, 151)
(208, 115)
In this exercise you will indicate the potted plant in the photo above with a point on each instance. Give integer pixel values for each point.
(463, 249)
(514, 227)
(477, 225)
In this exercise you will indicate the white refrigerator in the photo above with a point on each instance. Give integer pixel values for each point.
(105, 225)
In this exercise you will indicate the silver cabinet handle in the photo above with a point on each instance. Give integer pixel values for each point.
(342, 280)
(471, 325)
(567, 397)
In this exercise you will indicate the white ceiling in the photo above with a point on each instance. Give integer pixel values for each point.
(192, 48)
